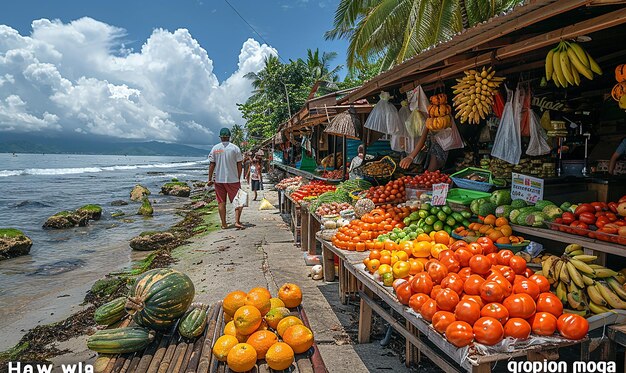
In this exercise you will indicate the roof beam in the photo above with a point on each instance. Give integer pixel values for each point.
(602, 22)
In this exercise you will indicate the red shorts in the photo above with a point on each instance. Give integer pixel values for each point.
(221, 189)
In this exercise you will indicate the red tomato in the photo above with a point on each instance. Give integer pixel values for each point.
(417, 301)
(508, 273)
(543, 323)
(441, 320)
(474, 298)
(504, 256)
(528, 272)
(572, 326)
(517, 264)
(428, 310)
(542, 282)
(493, 257)
(491, 291)
(527, 287)
(404, 292)
(497, 311)
(472, 285)
(447, 299)
(463, 255)
(475, 248)
(487, 245)
(437, 272)
(435, 291)
(468, 311)
(465, 273)
(517, 328)
(459, 333)
(454, 282)
(548, 302)
(520, 305)
(488, 331)
(480, 264)
(422, 283)
(503, 282)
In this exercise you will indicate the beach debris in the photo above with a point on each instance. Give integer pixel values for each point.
(146, 208)
(13, 242)
(139, 192)
(119, 202)
(148, 241)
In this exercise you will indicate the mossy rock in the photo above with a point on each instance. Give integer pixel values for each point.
(148, 241)
(66, 219)
(139, 192)
(177, 189)
(13, 242)
(146, 208)
(93, 212)
(119, 202)
(117, 214)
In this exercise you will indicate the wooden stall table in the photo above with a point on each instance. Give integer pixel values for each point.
(305, 218)
(169, 352)
(293, 208)
(421, 338)
(347, 282)
(315, 225)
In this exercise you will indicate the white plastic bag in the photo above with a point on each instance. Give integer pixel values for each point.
(449, 138)
(384, 117)
(241, 199)
(418, 100)
(400, 138)
(508, 143)
(418, 104)
(538, 144)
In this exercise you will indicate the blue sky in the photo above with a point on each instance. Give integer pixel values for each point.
(290, 26)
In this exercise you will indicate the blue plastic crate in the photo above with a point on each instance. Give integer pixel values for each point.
(471, 184)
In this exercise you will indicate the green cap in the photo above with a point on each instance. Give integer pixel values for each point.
(224, 132)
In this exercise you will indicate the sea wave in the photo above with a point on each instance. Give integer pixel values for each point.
(82, 170)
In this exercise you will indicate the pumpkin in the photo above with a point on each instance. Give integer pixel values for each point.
(620, 73)
(194, 322)
(618, 91)
(159, 297)
(120, 340)
(111, 312)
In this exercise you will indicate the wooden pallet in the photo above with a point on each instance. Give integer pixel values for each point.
(171, 353)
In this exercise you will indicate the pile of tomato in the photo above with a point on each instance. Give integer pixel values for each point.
(597, 220)
(473, 292)
(392, 192)
(427, 179)
(313, 189)
(361, 234)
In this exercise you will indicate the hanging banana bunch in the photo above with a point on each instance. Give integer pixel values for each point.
(474, 94)
(567, 62)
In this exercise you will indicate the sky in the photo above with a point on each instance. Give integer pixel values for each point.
(145, 70)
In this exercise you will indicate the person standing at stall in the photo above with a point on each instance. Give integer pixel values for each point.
(254, 176)
(225, 169)
(621, 149)
(358, 160)
(436, 158)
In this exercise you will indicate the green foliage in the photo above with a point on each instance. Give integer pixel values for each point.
(10, 233)
(91, 208)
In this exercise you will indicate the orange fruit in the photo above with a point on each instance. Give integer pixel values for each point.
(495, 235)
(503, 240)
(286, 323)
(229, 329)
(241, 358)
(223, 345)
(279, 356)
(260, 290)
(501, 221)
(262, 340)
(260, 300)
(506, 230)
(490, 219)
(298, 337)
(247, 320)
(421, 249)
(275, 303)
(227, 317)
(233, 301)
(423, 237)
(290, 294)
(275, 315)
(442, 237)
(484, 229)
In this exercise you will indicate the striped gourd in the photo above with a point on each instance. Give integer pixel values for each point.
(159, 297)
(120, 340)
(111, 312)
(193, 323)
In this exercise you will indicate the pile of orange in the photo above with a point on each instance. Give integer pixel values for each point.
(496, 229)
(361, 234)
(256, 323)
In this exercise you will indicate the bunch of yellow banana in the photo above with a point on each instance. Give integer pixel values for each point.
(567, 62)
(474, 94)
(583, 286)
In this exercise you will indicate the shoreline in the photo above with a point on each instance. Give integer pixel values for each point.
(41, 343)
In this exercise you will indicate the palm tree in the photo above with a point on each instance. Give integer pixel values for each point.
(321, 73)
(395, 30)
(262, 80)
(237, 134)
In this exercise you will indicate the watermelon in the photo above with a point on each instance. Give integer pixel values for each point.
(518, 203)
(504, 211)
(539, 205)
(120, 340)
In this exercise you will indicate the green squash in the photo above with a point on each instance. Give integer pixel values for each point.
(193, 323)
(159, 297)
(120, 340)
(111, 312)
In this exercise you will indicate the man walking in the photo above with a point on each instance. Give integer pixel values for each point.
(226, 162)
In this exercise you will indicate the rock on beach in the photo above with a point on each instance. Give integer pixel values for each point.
(13, 243)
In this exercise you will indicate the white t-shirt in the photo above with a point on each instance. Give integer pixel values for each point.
(225, 155)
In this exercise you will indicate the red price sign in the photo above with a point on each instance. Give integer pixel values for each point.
(440, 193)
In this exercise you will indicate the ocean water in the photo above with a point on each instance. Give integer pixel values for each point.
(36, 186)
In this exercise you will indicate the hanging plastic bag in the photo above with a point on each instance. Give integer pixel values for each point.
(418, 104)
(384, 117)
(498, 104)
(400, 139)
(416, 123)
(525, 119)
(508, 144)
(538, 144)
(449, 138)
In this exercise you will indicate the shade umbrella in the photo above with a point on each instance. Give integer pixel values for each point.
(346, 124)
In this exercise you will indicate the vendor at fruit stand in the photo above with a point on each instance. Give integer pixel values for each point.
(621, 149)
(436, 156)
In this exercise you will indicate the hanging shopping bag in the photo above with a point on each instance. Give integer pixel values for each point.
(508, 144)
(384, 117)
(538, 144)
(449, 138)
(241, 199)
(498, 104)
(525, 119)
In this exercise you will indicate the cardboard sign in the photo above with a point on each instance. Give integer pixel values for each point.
(528, 188)
(440, 193)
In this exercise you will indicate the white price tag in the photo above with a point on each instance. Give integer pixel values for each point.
(440, 193)
(527, 188)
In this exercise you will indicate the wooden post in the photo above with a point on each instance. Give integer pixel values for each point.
(304, 229)
(344, 158)
(335, 151)
(365, 318)
(328, 259)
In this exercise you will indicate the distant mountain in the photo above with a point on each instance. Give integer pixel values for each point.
(17, 144)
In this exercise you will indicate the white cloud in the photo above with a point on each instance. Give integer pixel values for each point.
(79, 77)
